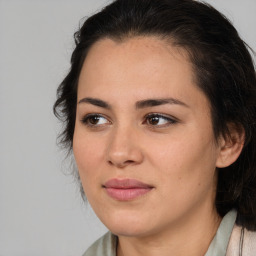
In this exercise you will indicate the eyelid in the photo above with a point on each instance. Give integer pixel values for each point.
(86, 117)
(170, 119)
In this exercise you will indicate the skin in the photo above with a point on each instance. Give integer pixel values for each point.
(177, 156)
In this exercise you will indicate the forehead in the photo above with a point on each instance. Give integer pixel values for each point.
(137, 66)
(142, 49)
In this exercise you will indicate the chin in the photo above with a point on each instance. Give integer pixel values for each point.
(127, 225)
(129, 231)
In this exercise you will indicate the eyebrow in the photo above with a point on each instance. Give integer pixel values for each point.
(95, 102)
(139, 104)
(157, 102)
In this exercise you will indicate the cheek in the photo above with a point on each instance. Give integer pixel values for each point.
(88, 153)
(86, 157)
(186, 173)
(185, 160)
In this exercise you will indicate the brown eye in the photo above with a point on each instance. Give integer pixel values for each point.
(159, 120)
(154, 120)
(94, 120)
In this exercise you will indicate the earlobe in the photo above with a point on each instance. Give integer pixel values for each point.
(230, 146)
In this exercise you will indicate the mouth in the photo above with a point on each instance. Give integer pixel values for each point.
(126, 189)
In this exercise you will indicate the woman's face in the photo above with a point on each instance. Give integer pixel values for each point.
(143, 140)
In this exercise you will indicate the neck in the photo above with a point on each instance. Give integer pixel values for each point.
(192, 235)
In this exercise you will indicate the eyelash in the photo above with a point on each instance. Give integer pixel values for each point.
(167, 119)
(86, 120)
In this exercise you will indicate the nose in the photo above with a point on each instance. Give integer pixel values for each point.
(124, 148)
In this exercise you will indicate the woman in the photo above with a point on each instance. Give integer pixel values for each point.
(159, 110)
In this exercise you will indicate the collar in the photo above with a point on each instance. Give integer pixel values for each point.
(219, 244)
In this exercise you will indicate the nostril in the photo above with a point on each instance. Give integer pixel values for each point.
(129, 162)
(121, 164)
(110, 162)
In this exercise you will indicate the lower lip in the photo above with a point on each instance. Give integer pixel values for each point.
(127, 194)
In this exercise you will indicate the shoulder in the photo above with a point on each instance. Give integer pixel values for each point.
(242, 242)
(104, 246)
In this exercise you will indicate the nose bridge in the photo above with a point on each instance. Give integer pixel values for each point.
(123, 148)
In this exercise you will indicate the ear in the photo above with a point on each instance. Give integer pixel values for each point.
(230, 146)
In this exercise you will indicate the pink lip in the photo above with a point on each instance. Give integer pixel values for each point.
(126, 189)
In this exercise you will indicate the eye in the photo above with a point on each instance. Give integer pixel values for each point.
(95, 120)
(159, 120)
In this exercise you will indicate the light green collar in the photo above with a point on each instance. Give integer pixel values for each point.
(219, 244)
(106, 245)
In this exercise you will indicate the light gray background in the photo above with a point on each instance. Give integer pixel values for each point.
(41, 212)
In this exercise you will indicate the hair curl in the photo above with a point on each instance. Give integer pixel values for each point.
(223, 67)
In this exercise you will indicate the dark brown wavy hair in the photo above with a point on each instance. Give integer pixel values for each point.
(223, 67)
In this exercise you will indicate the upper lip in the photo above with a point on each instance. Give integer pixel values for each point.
(125, 184)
